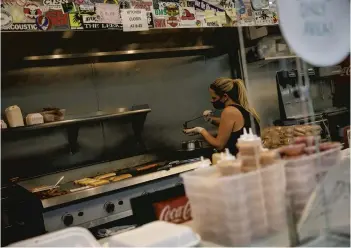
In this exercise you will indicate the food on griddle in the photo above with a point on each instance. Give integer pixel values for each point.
(41, 188)
(146, 167)
(105, 176)
(99, 182)
(83, 180)
(50, 193)
(120, 177)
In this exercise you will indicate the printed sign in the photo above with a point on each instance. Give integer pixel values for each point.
(134, 20)
(109, 13)
(6, 19)
(175, 210)
(22, 27)
(54, 4)
(59, 20)
(100, 26)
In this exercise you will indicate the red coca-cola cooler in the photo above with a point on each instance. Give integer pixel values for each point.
(169, 205)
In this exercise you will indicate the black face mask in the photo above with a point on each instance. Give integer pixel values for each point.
(218, 104)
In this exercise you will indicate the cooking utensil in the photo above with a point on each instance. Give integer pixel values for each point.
(185, 125)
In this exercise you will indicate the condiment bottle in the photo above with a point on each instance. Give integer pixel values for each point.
(228, 165)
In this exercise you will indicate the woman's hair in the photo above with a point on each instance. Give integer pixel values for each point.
(236, 90)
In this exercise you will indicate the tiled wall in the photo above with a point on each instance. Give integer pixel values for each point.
(174, 88)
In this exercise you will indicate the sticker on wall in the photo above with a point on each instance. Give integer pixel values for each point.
(6, 19)
(140, 4)
(92, 19)
(202, 5)
(320, 32)
(109, 13)
(54, 4)
(190, 4)
(86, 9)
(21, 3)
(150, 19)
(76, 21)
(172, 11)
(263, 17)
(21, 27)
(187, 17)
(69, 7)
(18, 15)
(97, 26)
(32, 10)
(134, 20)
(59, 20)
(43, 23)
(160, 23)
(124, 4)
(246, 15)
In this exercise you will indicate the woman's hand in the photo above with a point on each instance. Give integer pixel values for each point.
(207, 114)
(193, 131)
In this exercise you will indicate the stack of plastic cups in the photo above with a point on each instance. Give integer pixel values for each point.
(301, 181)
(273, 179)
(219, 204)
(249, 146)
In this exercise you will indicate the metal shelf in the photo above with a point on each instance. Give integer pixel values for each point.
(98, 116)
(136, 116)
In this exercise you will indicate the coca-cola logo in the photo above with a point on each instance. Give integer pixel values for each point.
(175, 210)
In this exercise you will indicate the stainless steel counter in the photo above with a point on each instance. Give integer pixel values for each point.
(54, 201)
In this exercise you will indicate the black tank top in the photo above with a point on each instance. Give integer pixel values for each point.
(234, 136)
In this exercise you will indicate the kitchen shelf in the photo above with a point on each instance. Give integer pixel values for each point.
(98, 116)
(267, 60)
(136, 115)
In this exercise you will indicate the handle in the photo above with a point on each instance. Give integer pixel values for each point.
(59, 181)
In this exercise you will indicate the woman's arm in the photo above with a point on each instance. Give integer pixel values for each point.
(227, 121)
(215, 120)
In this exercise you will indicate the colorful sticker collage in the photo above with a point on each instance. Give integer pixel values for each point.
(24, 15)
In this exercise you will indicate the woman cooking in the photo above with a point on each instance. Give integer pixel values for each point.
(229, 95)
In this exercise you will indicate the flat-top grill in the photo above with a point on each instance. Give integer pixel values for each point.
(94, 206)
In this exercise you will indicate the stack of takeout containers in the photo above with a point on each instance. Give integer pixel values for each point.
(307, 161)
(234, 210)
(233, 206)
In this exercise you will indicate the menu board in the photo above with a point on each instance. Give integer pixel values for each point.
(54, 15)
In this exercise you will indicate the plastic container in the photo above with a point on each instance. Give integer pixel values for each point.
(34, 118)
(68, 237)
(156, 234)
(231, 210)
(14, 116)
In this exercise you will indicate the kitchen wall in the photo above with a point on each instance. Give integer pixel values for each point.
(175, 89)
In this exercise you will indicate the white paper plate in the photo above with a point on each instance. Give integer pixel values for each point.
(318, 31)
